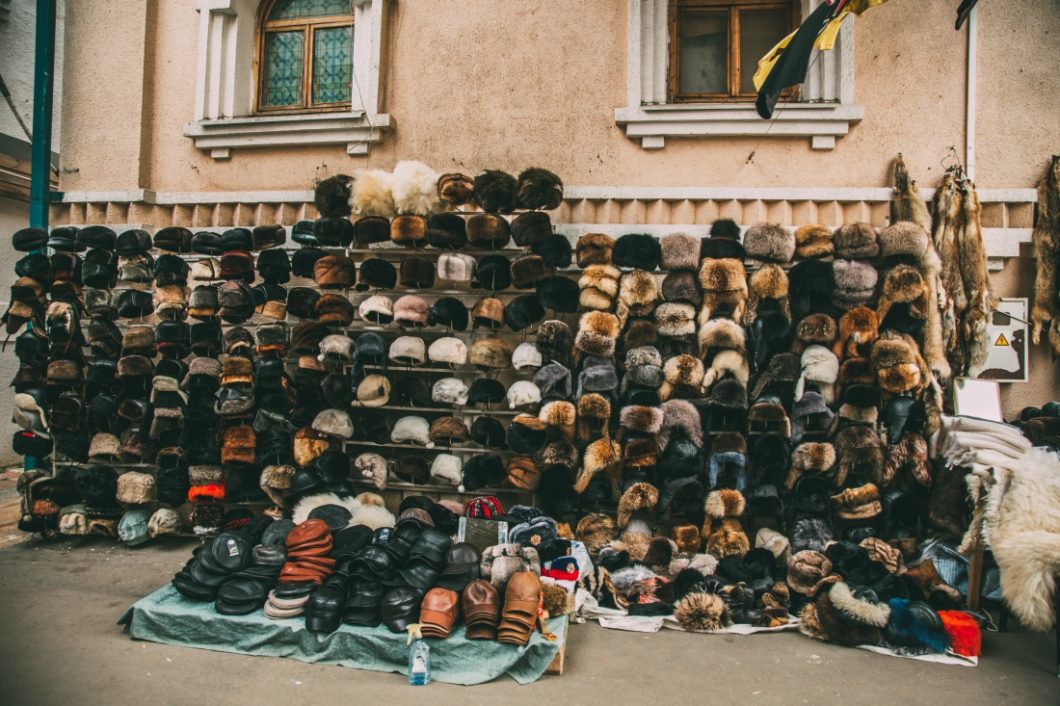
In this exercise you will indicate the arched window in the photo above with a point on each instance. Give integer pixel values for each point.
(305, 55)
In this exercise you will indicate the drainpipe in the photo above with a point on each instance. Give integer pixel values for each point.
(43, 80)
(969, 100)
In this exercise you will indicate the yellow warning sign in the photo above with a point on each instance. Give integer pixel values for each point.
(1001, 340)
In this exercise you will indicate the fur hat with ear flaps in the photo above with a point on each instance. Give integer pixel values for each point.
(594, 413)
(724, 284)
(768, 284)
(898, 364)
(718, 335)
(903, 285)
(858, 330)
(819, 329)
(596, 530)
(724, 241)
(597, 332)
(813, 241)
(638, 293)
(601, 456)
(820, 368)
(769, 242)
(554, 341)
(371, 194)
(810, 457)
(638, 497)
(332, 196)
(680, 418)
(702, 612)
(855, 283)
(682, 375)
(599, 285)
(539, 189)
(726, 364)
(859, 455)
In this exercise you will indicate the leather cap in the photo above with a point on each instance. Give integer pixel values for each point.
(519, 616)
(400, 608)
(438, 612)
(481, 605)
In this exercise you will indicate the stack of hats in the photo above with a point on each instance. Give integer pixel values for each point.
(439, 612)
(522, 599)
(307, 564)
(481, 605)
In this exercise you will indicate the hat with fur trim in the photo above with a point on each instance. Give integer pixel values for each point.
(808, 572)
(411, 310)
(810, 287)
(447, 349)
(238, 445)
(554, 341)
(597, 375)
(860, 503)
(449, 431)
(528, 270)
(681, 286)
(769, 242)
(523, 311)
(451, 391)
(679, 252)
(810, 416)
(856, 241)
(526, 434)
(641, 418)
(727, 364)
(408, 350)
(554, 380)
(599, 285)
(490, 353)
(455, 189)
(859, 454)
(855, 283)
(903, 284)
(559, 294)
(373, 391)
(555, 250)
(858, 330)
(334, 310)
(594, 414)
(719, 335)
(904, 238)
(539, 188)
(336, 347)
(898, 364)
(448, 468)
(408, 229)
(594, 249)
(682, 376)
(860, 403)
(488, 230)
(493, 272)
(526, 355)
(817, 329)
(559, 415)
(637, 250)
(446, 231)
(597, 332)
(724, 284)
(531, 227)
(412, 430)
(488, 312)
(495, 191)
(638, 497)
(376, 309)
(334, 422)
(638, 293)
(813, 241)
(450, 312)
(522, 393)
(768, 287)
(810, 457)
(728, 461)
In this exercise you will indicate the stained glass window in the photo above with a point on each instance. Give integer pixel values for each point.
(306, 55)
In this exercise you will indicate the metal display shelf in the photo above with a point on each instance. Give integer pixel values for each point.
(474, 450)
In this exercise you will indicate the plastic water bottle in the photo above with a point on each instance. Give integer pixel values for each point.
(419, 660)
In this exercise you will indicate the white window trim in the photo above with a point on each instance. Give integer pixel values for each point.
(825, 112)
(225, 83)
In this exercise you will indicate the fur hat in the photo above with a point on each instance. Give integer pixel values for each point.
(637, 250)
(559, 415)
(638, 497)
(860, 503)
(726, 537)
(599, 285)
(559, 294)
(813, 241)
(495, 191)
(414, 187)
(594, 249)
(446, 231)
(856, 241)
(641, 418)
(639, 332)
(539, 189)
(412, 429)
(680, 418)
(767, 284)
(682, 374)
(718, 335)
(638, 294)
(531, 227)
(523, 311)
(910, 454)
(490, 353)
(809, 571)
(702, 612)
(858, 330)
(593, 415)
(675, 319)
(810, 287)
(455, 189)
(679, 252)
(554, 341)
(898, 364)
(903, 284)
(554, 380)
(554, 249)
(859, 455)
(334, 422)
(371, 194)
(455, 267)
(522, 393)
(601, 456)
(855, 283)
(810, 457)
(597, 332)
(528, 270)
(724, 241)
(724, 284)
(681, 286)
(817, 329)
(488, 230)
(726, 364)
(526, 434)
(595, 530)
(904, 238)
(860, 402)
(332, 196)
(769, 242)
(810, 417)
(820, 367)
(451, 391)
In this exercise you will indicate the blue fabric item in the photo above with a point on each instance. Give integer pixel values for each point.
(733, 460)
(953, 569)
(903, 622)
(167, 617)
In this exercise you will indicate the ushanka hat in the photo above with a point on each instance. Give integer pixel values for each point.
(531, 227)
(555, 250)
(769, 242)
(637, 250)
(594, 249)
(856, 241)
(679, 252)
(554, 341)
(813, 241)
(493, 273)
(855, 283)
(488, 230)
(523, 311)
(724, 241)
(446, 231)
(558, 293)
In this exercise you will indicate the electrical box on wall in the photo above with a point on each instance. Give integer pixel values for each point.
(1006, 358)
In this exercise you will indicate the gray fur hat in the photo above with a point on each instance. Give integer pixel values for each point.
(554, 381)
(597, 375)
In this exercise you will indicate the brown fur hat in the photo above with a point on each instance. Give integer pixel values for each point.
(675, 319)
(639, 496)
(769, 417)
(490, 353)
(640, 452)
(559, 415)
(597, 332)
(559, 452)
(836, 627)
(723, 275)
(898, 364)
(904, 284)
(721, 335)
(860, 503)
(556, 600)
(856, 241)
(702, 612)
(810, 457)
(596, 530)
(638, 293)
(769, 242)
(727, 538)
(727, 364)
(594, 249)
(594, 412)
(724, 503)
(682, 372)
(687, 538)
(681, 286)
(641, 418)
(554, 341)
(859, 454)
(679, 252)
(904, 238)
(856, 371)
(817, 329)
(683, 417)
(601, 456)
(783, 368)
(813, 241)
(599, 285)
(910, 454)
(858, 330)
(767, 283)
(639, 332)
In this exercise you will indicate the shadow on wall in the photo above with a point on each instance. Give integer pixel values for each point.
(13, 215)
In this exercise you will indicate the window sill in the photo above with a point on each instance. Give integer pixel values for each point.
(354, 129)
(821, 122)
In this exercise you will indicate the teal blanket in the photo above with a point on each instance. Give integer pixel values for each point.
(166, 616)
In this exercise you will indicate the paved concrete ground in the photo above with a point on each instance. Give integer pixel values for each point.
(60, 645)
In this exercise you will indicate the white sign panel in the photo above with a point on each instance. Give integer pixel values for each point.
(1006, 358)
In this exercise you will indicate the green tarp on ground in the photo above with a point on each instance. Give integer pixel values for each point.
(168, 617)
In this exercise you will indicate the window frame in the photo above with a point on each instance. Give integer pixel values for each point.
(733, 8)
(309, 26)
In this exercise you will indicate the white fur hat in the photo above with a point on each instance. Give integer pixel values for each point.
(335, 422)
(450, 391)
(675, 319)
(336, 345)
(456, 267)
(726, 364)
(376, 308)
(448, 349)
(414, 187)
(412, 430)
(449, 468)
(208, 268)
(373, 467)
(526, 355)
(373, 391)
(820, 367)
(522, 393)
(408, 350)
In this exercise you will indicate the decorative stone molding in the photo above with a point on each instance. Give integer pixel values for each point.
(225, 79)
(824, 112)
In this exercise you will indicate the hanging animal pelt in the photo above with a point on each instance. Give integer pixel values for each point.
(976, 281)
(1046, 238)
(907, 204)
(951, 291)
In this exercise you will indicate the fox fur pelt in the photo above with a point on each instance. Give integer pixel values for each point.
(976, 282)
(1046, 238)
(953, 300)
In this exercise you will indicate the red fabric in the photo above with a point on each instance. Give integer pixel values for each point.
(485, 507)
(211, 491)
(965, 637)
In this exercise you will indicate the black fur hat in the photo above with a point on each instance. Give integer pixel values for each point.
(483, 470)
(412, 391)
(523, 311)
(555, 250)
(531, 227)
(370, 425)
(637, 250)
(558, 293)
(488, 432)
(810, 286)
(97, 484)
(333, 231)
(450, 311)
(376, 272)
(416, 273)
(303, 261)
(554, 340)
(539, 189)
(302, 301)
(371, 229)
(495, 191)
(493, 273)
(485, 391)
(447, 230)
(332, 196)
(274, 265)
(527, 434)
(724, 241)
